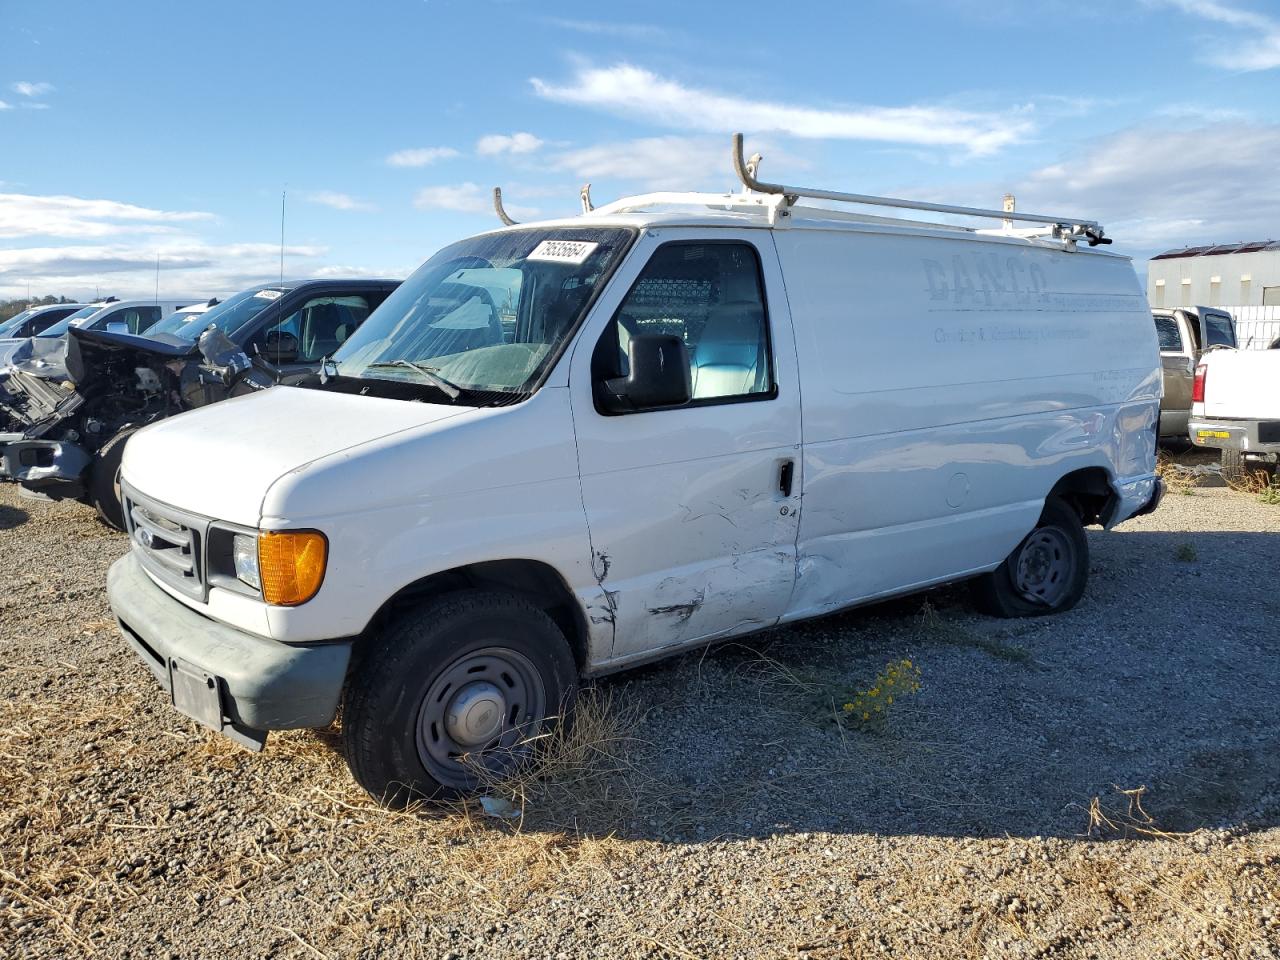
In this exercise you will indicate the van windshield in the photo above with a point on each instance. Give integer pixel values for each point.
(489, 314)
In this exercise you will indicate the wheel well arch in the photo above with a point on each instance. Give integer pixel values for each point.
(1089, 492)
(536, 581)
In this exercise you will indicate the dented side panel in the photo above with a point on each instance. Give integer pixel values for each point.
(692, 537)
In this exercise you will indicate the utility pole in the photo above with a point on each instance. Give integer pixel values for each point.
(1010, 205)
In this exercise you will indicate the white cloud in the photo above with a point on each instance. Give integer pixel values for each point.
(635, 92)
(336, 200)
(5, 106)
(420, 156)
(625, 31)
(667, 163)
(188, 267)
(1257, 47)
(1155, 188)
(498, 143)
(1201, 113)
(27, 215)
(465, 198)
(25, 88)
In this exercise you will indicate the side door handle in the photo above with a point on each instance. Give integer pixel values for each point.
(785, 477)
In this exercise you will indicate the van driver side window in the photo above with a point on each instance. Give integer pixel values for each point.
(709, 295)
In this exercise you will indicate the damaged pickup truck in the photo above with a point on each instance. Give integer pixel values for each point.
(71, 407)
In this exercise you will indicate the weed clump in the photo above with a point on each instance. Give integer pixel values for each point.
(868, 708)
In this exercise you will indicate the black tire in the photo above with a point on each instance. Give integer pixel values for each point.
(1235, 469)
(1046, 573)
(396, 746)
(104, 479)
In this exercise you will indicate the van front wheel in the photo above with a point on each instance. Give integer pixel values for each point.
(453, 694)
(1046, 572)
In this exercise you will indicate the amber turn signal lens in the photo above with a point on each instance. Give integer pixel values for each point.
(291, 564)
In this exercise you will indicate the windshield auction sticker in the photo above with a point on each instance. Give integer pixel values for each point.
(563, 251)
(268, 294)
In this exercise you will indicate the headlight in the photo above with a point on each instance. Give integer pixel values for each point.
(244, 554)
(290, 565)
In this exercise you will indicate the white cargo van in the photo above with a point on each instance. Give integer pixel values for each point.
(564, 448)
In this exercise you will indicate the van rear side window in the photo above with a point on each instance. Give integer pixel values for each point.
(709, 295)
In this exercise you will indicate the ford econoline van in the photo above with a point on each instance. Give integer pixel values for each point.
(564, 448)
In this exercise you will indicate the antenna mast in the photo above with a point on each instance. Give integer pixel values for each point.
(157, 277)
(283, 194)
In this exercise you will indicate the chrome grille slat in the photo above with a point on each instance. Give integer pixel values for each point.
(179, 537)
(168, 542)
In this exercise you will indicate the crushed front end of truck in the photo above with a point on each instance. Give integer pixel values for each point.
(66, 400)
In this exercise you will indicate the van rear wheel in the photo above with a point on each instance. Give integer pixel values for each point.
(1046, 572)
(452, 695)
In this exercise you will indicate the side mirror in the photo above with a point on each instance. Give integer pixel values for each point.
(281, 346)
(659, 376)
(117, 326)
(219, 351)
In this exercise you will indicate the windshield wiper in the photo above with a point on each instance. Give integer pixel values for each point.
(326, 362)
(451, 390)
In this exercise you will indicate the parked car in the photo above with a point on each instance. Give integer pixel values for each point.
(72, 411)
(180, 318)
(128, 316)
(34, 320)
(1185, 334)
(1236, 409)
(712, 414)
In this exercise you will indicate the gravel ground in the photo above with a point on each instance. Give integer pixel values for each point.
(1104, 783)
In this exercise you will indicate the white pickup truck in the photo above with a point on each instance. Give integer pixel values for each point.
(1235, 406)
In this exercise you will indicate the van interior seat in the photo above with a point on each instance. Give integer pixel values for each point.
(327, 329)
(728, 359)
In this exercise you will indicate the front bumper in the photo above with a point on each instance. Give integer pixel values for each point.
(54, 467)
(256, 684)
(1256, 439)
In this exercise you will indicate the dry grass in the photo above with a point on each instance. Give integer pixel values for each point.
(581, 768)
(1177, 478)
(1260, 484)
(96, 849)
(81, 842)
(90, 842)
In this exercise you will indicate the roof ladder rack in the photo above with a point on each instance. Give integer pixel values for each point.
(1065, 228)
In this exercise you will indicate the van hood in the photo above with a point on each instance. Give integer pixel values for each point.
(219, 461)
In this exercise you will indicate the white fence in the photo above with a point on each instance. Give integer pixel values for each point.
(1256, 327)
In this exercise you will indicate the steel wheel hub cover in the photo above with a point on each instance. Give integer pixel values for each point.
(1045, 564)
(475, 714)
(478, 714)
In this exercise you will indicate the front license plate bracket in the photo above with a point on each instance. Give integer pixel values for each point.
(196, 694)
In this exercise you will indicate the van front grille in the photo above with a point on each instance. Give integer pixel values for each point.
(169, 542)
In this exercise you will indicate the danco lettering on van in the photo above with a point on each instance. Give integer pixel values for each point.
(987, 280)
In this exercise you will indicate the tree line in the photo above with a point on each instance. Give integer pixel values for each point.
(11, 308)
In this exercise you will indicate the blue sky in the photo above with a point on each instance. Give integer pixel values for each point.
(139, 130)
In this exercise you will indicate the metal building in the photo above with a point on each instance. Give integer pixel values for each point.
(1229, 275)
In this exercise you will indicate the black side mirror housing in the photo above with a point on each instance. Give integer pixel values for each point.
(659, 376)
